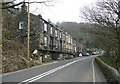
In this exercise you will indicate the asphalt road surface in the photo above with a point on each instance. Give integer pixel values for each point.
(81, 69)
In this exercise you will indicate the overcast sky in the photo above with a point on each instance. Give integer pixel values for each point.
(63, 10)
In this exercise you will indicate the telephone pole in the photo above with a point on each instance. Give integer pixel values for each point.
(28, 36)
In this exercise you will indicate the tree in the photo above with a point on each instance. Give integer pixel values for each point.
(105, 15)
(15, 5)
(12, 15)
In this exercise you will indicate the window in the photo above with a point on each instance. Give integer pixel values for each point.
(60, 34)
(55, 32)
(45, 41)
(45, 27)
(51, 30)
(56, 44)
(63, 36)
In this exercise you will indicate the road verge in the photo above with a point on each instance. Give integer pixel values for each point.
(110, 73)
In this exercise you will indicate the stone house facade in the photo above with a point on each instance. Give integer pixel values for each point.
(49, 39)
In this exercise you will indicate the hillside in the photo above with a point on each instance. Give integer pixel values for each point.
(14, 56)
(77, 30)
(14, 52)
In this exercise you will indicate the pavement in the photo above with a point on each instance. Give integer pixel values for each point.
(81, 69)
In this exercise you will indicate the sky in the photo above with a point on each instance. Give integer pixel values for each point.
(61, 10)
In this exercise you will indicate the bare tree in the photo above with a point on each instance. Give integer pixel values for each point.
(15, 5)
(106, 17)
(13, 15)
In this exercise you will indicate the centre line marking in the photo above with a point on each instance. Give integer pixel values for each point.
(48, 72)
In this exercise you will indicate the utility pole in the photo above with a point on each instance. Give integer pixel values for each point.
(22, 21)
(28, 29)
(28, 36)
(1, 21)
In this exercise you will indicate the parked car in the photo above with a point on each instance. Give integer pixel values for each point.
(85, 54)
(58, 58)
(96, 53)
(93, 53)
(80, 54)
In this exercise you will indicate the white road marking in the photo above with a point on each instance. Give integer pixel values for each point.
(93, 71)
(28, 68)
(48, 72)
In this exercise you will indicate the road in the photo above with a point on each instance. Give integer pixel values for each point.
(81, 69)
